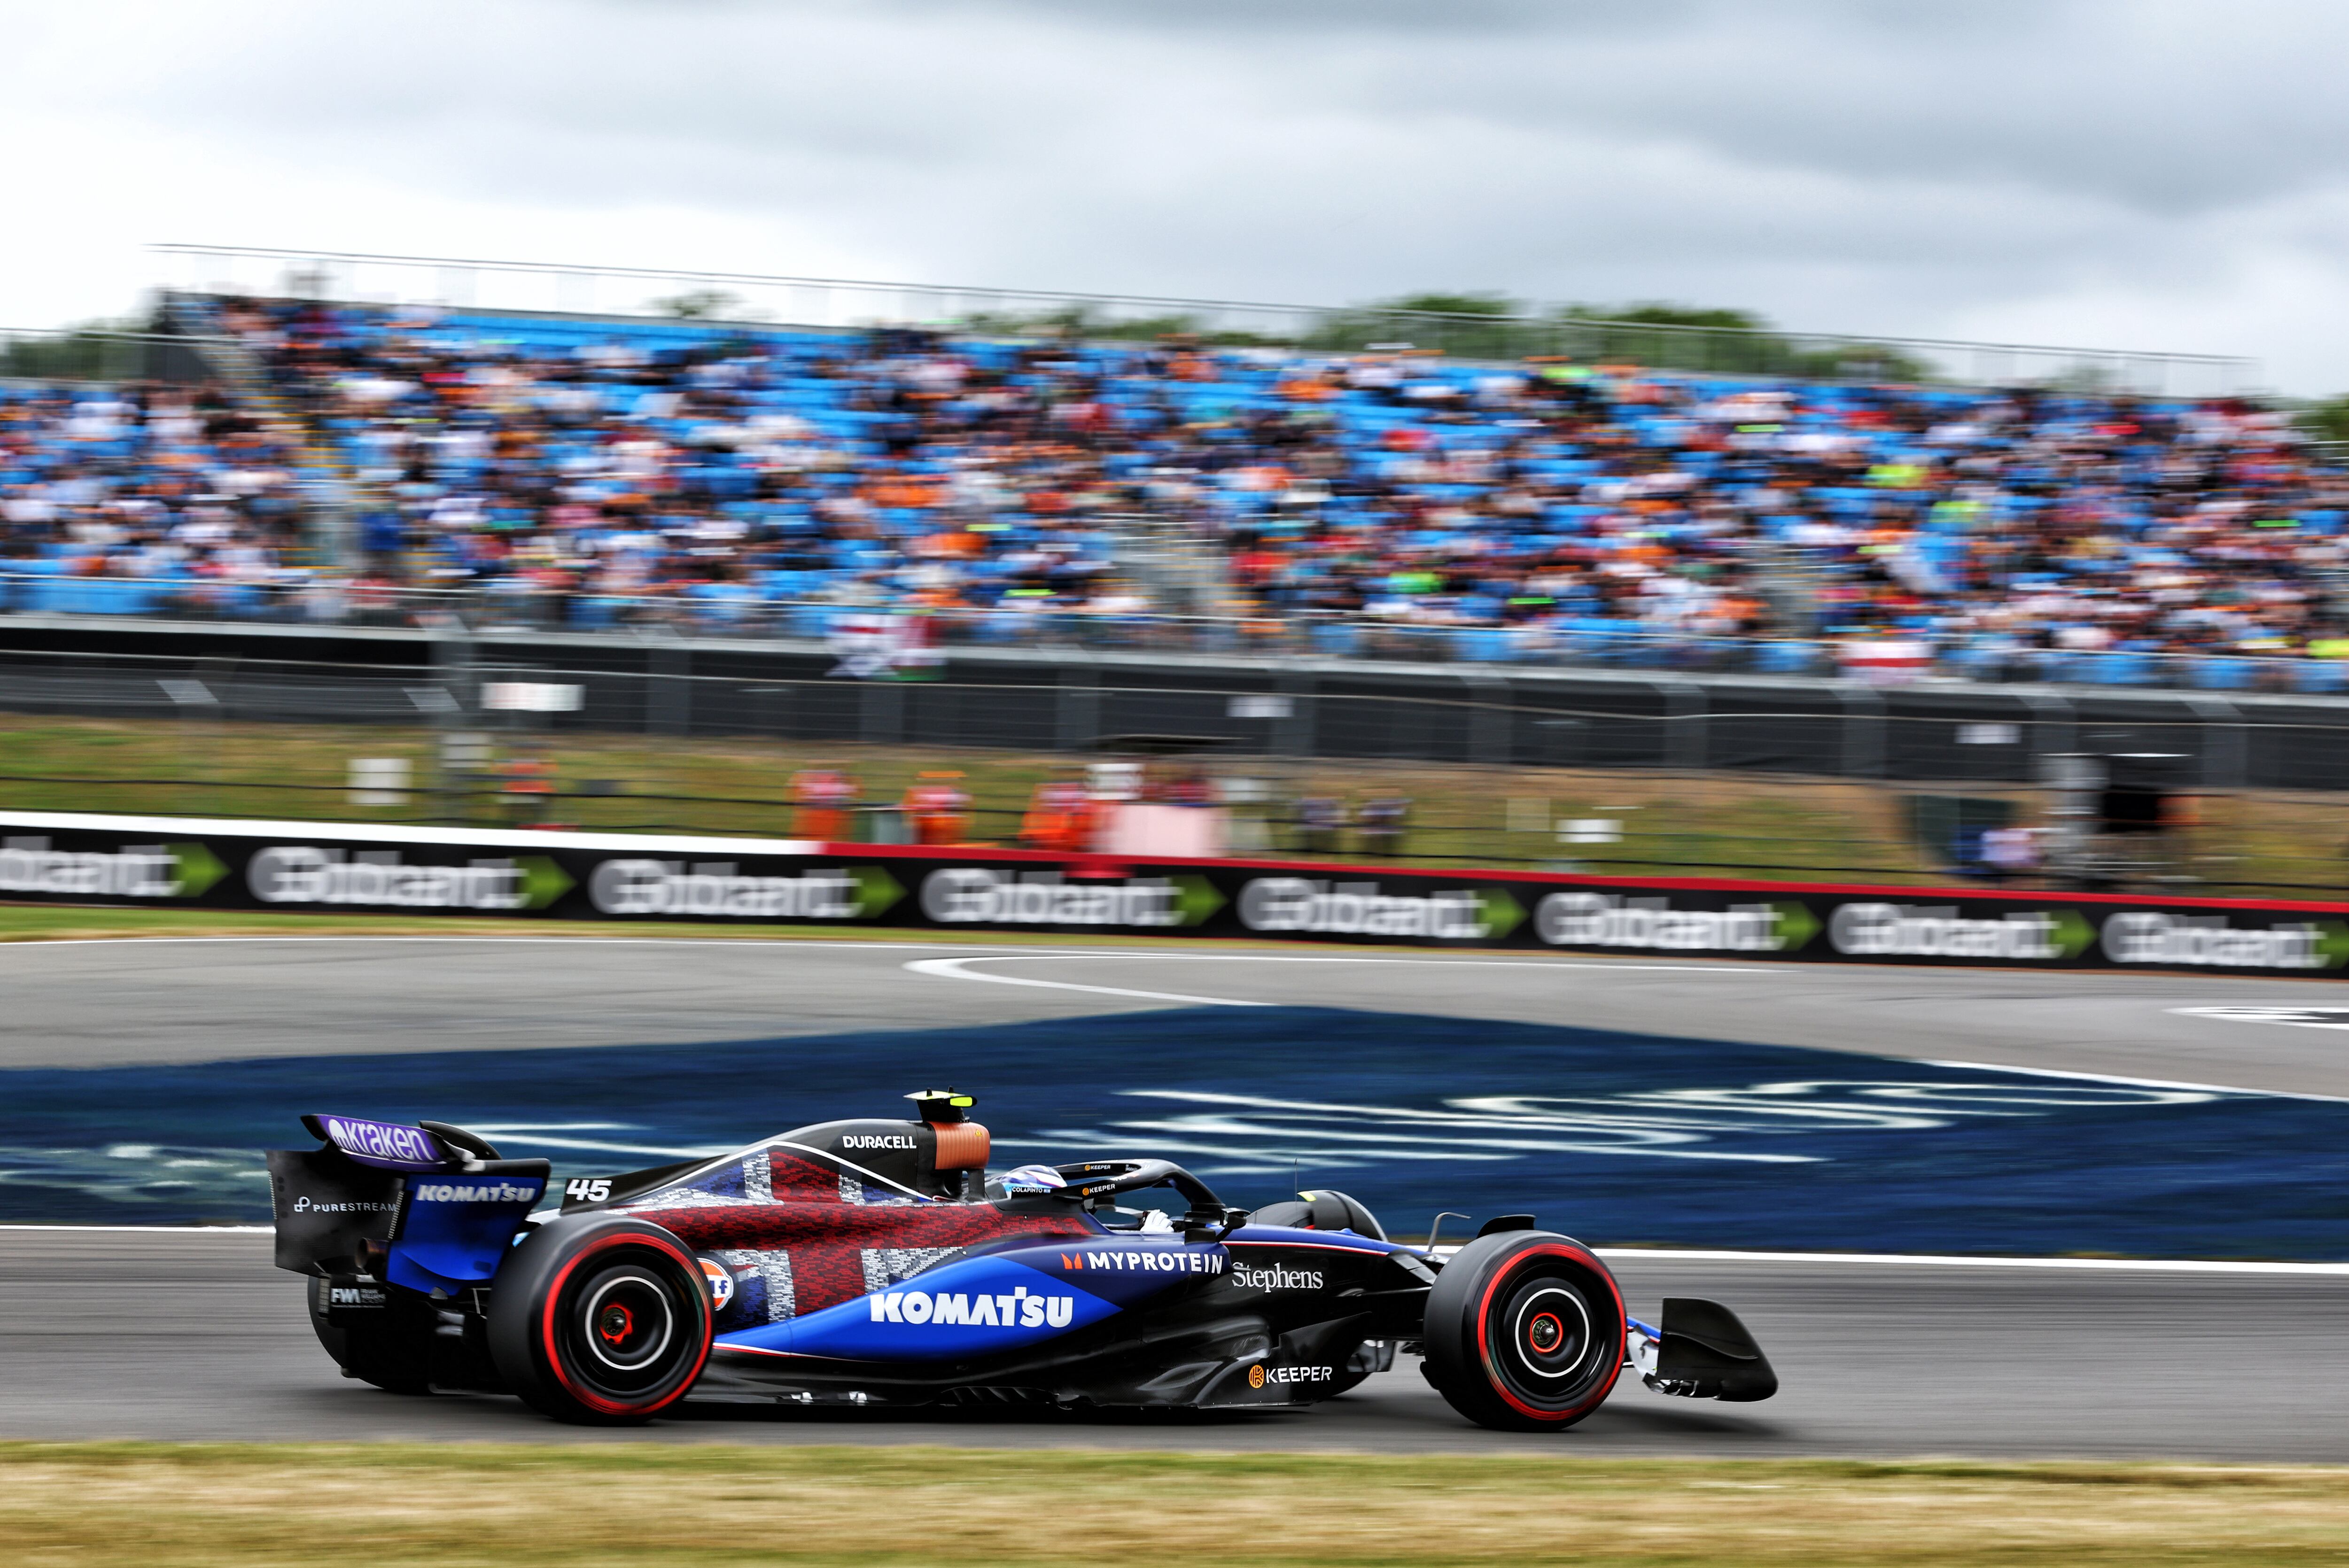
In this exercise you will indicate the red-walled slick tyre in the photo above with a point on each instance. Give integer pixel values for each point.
(1525, 1332)
(599, 1318)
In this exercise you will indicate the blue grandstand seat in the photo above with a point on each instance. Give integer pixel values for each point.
(2116, 668)
(2222, 674)
(1785, 657)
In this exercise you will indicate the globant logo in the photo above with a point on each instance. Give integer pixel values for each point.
(1603, 919)
(1359, 909)
(2146, 936)
(972, 895)
(1908, 930)
(1022, 1309)
(667, 887)
(136, 870)
(300, 873)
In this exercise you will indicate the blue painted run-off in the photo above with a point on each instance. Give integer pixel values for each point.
(1616, 1138)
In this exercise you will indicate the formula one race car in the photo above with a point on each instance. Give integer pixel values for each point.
(877, 1263)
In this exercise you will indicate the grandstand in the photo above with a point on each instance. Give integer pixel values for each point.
(381, 463)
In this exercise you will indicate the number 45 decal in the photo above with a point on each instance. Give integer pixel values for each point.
(587, 1189)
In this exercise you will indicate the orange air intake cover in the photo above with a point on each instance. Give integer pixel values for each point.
(962, 1145)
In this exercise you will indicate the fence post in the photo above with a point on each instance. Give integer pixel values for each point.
(1298, 733)
(669, 707)
(452, 663)
(880, 713)
(2052, 729)
(1488, 715)
(773, 710)
(1076, 717)
(1863, 731)
(1687, 715)
(2226, 762)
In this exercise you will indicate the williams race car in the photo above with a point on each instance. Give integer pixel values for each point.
(875, 1262)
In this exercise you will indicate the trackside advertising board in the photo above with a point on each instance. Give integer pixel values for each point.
(186, 863)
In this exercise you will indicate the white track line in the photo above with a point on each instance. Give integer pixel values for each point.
(952, 969)
(156, 1229)
(783, 944)
(2134, 1082)
(1625, 1254)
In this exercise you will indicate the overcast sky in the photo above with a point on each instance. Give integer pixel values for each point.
(2139, 175)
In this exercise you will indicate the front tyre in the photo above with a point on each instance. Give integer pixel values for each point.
(600, 1319)
(1525, 1332)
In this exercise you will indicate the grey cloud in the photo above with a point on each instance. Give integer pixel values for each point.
(1871, 166)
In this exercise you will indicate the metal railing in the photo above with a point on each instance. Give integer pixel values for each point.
(79, 355)
(472, 284)
(878, 640)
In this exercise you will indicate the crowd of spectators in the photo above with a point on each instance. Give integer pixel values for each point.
(115, 497)
(594, 469)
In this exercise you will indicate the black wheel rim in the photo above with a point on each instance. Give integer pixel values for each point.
(623, 1330)
(1549, 1342)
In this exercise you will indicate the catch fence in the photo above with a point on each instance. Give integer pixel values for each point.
(753, 299)
(883, 635)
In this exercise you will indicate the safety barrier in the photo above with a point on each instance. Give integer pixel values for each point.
(328, 867)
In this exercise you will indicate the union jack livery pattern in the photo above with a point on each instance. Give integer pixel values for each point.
(802, 1231)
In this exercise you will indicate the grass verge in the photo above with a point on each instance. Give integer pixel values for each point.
(515, 1506)
(1768, 827)
(1461, 815)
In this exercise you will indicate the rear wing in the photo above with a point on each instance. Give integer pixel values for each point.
(428, 1206)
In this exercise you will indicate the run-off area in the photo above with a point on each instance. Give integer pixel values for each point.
(1618, 1137)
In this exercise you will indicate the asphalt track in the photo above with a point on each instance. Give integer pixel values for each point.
(190, 1336)
(194, 1336)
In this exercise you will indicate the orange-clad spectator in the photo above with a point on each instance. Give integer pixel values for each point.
(1056, 818)
(1308, 387)
(822, 798)
(903, 490)
(525, 783)
(938, 808)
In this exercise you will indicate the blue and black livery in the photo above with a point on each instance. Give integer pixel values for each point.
(876, 1263)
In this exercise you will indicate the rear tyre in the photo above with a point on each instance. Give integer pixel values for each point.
(1525, 1332)
(600, 1319)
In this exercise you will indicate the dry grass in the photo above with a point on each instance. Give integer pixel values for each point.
(455, 1506)
(1768, 829)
